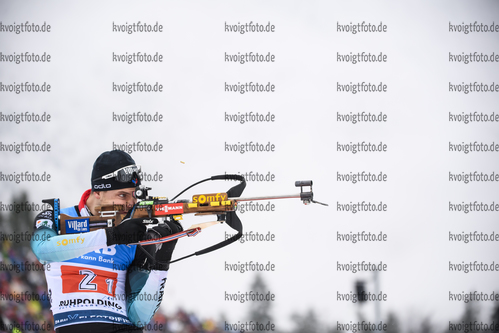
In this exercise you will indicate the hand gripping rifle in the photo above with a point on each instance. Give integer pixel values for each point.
(156, 210)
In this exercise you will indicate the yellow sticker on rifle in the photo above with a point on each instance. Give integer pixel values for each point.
(212, 197)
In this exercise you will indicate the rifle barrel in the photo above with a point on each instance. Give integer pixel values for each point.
(289, 196)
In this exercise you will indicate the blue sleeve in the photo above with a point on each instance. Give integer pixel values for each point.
(50, 247)
(145, 292)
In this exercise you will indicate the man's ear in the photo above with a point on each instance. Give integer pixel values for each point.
(96, 194)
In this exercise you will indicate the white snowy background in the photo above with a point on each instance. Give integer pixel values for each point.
(305, 134)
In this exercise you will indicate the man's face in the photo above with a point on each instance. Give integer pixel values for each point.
(117, 197)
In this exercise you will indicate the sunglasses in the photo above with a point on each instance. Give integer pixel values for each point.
(123, 175)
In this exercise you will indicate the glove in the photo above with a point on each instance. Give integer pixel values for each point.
(162, 253)
(127, 232)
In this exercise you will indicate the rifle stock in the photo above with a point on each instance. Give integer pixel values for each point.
(153, 211)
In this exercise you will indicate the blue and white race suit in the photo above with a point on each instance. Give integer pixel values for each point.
(90, 282)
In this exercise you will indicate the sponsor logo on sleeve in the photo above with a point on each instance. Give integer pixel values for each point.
(68, 241)
(44, 223)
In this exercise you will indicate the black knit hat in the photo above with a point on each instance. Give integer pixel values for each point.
(109, 162)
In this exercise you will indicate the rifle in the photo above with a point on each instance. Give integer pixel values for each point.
(156, 210)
